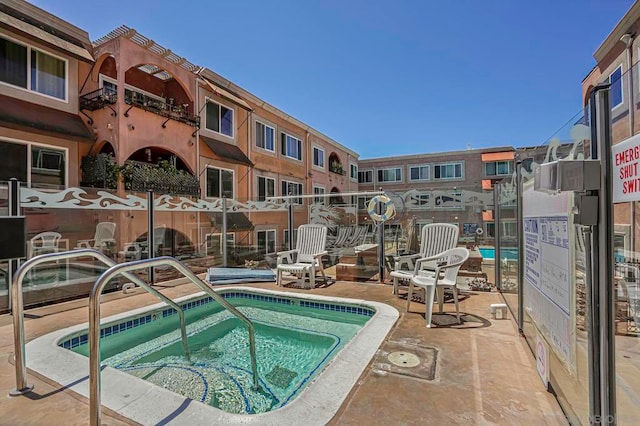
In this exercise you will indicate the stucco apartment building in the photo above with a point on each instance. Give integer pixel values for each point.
(66, 101)
(617, 63)
(454, 187)
(127, 99)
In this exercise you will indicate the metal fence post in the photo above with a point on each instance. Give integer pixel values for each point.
(381, 259)
(603, 264)
(290, 220)
(224, 231)
(14, 210)
(520, 226)
(496, 235)
(150, 236)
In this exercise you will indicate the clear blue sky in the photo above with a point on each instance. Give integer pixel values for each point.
(386, 78)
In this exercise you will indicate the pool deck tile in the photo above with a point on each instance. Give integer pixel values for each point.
(485, 374)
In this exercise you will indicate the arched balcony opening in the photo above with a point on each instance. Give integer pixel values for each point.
(159, 170)
(335, 165)
(154, 89)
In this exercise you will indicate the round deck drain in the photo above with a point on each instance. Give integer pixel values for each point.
(404, 359)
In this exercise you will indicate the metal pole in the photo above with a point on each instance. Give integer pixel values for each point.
(381, 259)
(605, 258)
(496, 235)
(290, 221)
(592, 337)
(520, 227)
(94, 323)
(14, 210)
(593, 296)
(150, 237)
(224, 231)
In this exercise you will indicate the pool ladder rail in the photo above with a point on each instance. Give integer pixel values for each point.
(114, 270)
(17, 307)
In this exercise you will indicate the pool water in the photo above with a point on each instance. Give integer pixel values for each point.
(490, 253)
(293, 344)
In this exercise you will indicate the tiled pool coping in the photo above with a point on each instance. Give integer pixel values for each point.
(147, 403)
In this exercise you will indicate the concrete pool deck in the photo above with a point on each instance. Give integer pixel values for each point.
(483, 371)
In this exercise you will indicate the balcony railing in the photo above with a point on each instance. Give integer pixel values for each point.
(98, 99)
(337, 170)
(164, 109)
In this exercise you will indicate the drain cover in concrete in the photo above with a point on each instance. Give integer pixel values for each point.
(421, 359)
(404, 359)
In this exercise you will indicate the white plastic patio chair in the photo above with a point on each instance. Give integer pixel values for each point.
(44, 242)
(306, 259)
(446, 274)
(105, 233)
(436, 238)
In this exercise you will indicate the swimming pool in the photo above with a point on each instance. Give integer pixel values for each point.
(489, 253)
(310, 352)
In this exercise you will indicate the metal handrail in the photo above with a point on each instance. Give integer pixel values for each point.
(94, 322)
(17, 307)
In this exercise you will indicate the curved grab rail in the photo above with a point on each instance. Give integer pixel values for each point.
(17, 307)
(94, 322)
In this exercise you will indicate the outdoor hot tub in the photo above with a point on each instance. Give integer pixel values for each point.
(310, 352)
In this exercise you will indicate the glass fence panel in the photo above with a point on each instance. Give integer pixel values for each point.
(65, 219)
(4, 265)
(554, 298)
(507, 232)
(626, 257)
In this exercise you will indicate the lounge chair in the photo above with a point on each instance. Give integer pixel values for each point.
(44, 242)
(436, 238)
(306, 258)
(445, 276)
(104, 236)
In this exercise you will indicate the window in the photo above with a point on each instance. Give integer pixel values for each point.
(292, 188)
(447, 171)
(419, 173)
(265, 136)
(490, 229)
(213, 243)
(219, 183)
(219, 119)
(353, 171)
(47, 164)
(365, 176)
(317, 190)
(615, 78)
(291, 147)
(497, 168)
(362, 202)
(286, 239)
(318, 157)
(266, 241)
(32, 69)
(390, 175)
(509, 230)
(266, 188)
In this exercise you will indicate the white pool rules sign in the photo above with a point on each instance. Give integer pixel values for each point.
(625, 157)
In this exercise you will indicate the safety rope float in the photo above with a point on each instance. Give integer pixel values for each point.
(387, 206)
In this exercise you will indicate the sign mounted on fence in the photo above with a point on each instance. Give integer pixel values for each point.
(625, 157)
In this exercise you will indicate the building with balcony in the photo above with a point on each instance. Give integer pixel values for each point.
(617, 63)
(45, 61)
(440, 187)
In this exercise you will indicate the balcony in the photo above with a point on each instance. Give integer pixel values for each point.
(161, 108)
(98, 99)
(336, 168)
